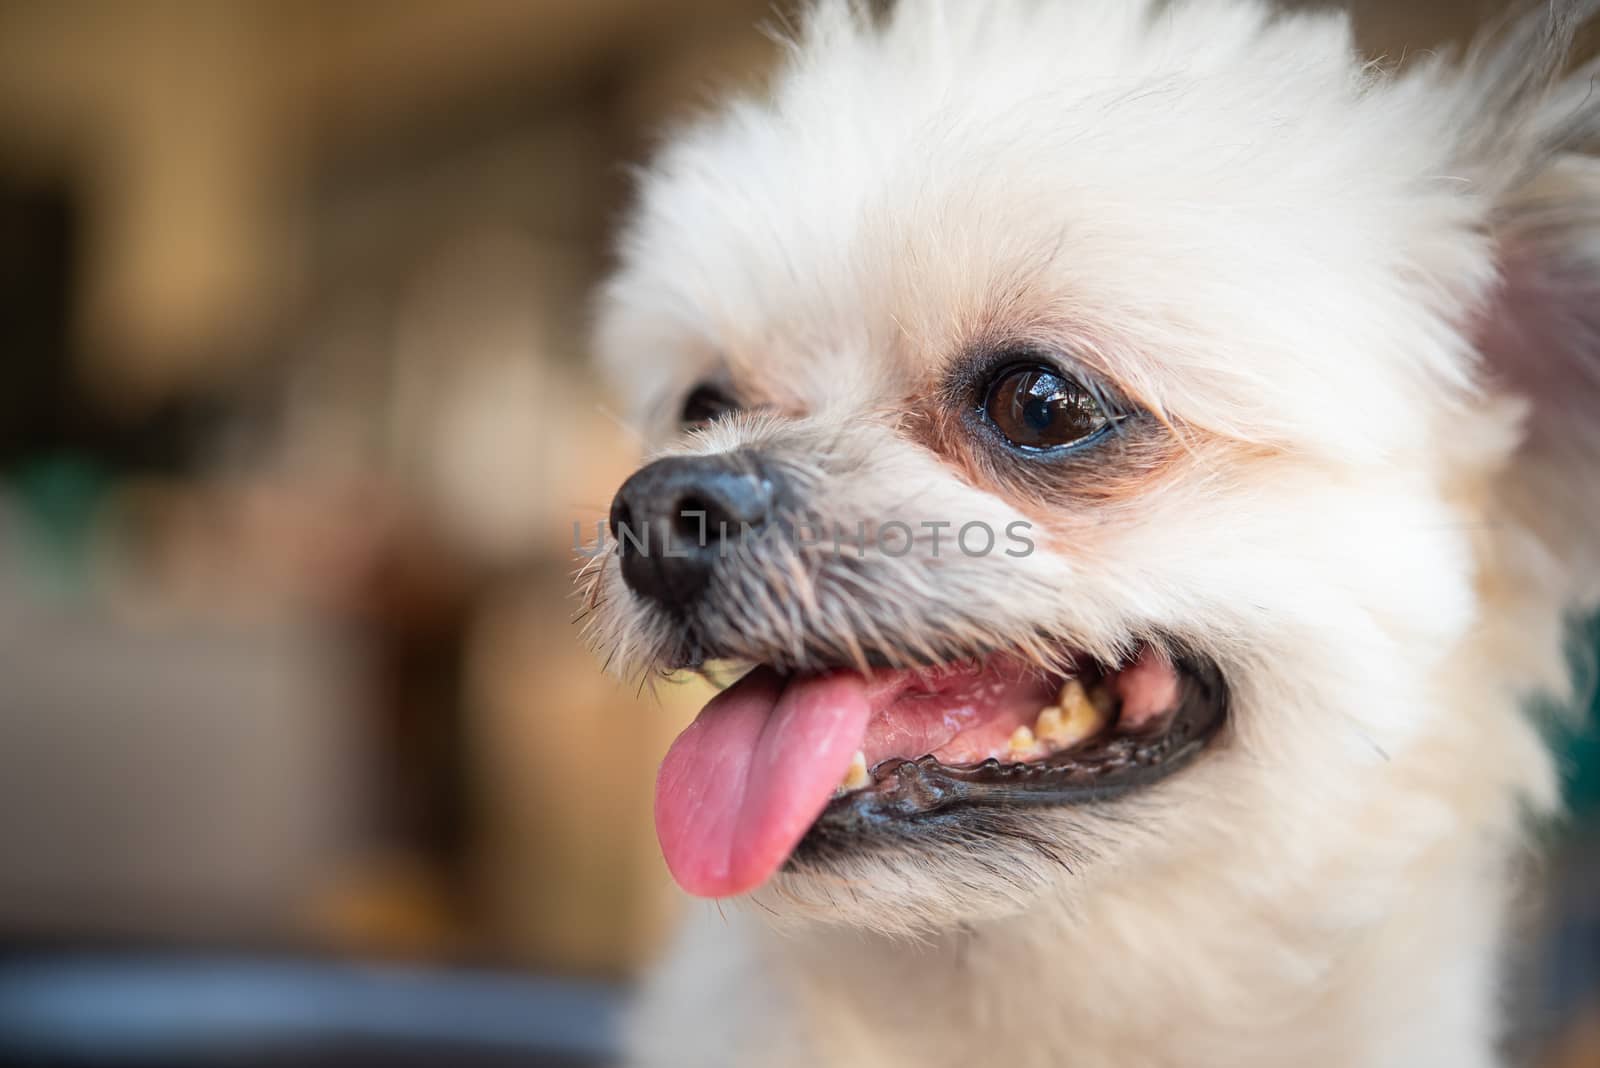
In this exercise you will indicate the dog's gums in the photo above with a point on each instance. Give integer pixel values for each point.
(777, 766)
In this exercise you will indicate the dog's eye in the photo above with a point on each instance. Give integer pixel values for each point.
(1036, 407)
(704, 404)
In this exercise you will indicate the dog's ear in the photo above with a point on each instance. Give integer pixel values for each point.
(1535, 131)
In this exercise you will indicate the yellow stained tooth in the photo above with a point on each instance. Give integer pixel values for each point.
(1048, 725)
(1072, 696)
(857, 776)
(1022, 740)
(1080, 717)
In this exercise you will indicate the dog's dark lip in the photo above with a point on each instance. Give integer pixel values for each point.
(904, 792)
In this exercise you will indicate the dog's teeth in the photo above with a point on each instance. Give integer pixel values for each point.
(1022, 740)
(1076, 717)
(857, 776)
(1074, 701)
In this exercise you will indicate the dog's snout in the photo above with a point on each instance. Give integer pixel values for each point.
(674, 518)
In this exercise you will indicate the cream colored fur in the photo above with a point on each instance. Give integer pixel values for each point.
(1365, 302)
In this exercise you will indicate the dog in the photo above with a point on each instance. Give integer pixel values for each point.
(1145, 459)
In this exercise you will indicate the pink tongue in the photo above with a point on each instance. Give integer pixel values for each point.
(741, 785)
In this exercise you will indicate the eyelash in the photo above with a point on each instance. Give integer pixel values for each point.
(1014, 361)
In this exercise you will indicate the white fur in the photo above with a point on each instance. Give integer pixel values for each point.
(1374, 523)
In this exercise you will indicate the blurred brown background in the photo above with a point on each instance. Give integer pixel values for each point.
(294, 426)
(297, 424)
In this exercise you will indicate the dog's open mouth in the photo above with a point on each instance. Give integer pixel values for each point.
(839, 753)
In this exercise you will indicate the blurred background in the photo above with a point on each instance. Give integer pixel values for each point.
(301, 760)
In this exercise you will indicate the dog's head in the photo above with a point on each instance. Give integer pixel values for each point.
(1105, 429)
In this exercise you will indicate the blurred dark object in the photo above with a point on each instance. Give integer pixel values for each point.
(1569, 983)
(45, 411)
(97, 1012)
(37, 241)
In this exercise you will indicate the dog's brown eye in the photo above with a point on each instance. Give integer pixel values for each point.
(704, 404)
(1038, 408)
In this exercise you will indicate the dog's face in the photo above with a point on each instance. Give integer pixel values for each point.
(1070, 412)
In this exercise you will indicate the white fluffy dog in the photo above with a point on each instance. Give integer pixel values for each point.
(1147, 457)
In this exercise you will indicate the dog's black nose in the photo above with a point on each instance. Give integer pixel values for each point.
(673, 519)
